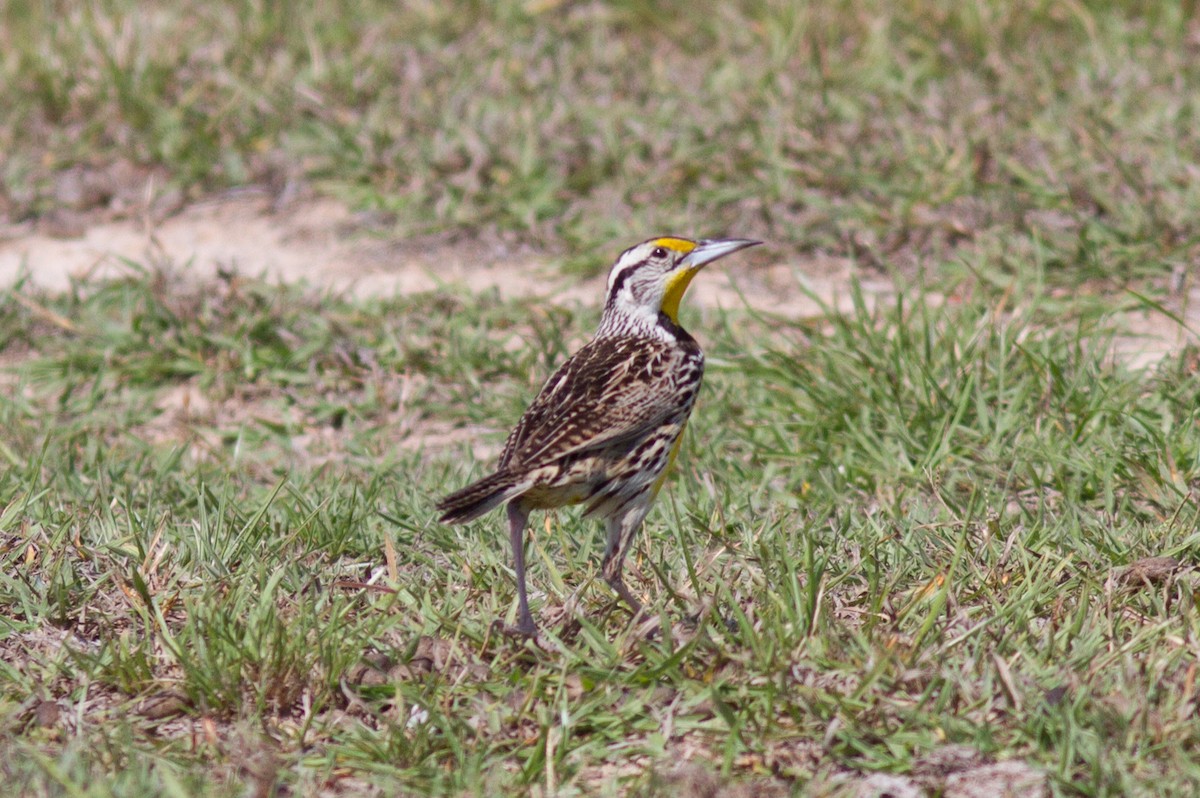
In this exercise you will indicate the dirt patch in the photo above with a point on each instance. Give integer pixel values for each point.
(1151, 334)
(319, 241)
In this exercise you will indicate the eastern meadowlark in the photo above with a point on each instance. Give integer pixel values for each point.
(607, 425)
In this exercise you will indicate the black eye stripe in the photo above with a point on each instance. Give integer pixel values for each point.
(623, 277)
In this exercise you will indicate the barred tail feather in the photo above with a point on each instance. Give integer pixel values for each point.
(478, 498)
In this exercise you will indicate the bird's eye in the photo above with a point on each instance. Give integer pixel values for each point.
(659, 252)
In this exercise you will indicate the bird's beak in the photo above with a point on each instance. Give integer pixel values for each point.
(689, 266)
(708, 250)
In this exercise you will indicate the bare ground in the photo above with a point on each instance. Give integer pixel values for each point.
(321, 242)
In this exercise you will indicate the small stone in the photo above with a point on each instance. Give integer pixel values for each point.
(886, 785)
(1010, 779)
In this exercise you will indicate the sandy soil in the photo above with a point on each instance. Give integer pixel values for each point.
(320, 242)
(316, 241)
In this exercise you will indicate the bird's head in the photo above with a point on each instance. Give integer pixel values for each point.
(648, 281)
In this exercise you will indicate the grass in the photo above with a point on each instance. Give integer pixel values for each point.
(936, 135)
(953, 528)
(896, 529)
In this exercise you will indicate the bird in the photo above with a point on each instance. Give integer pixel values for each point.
(607, 424)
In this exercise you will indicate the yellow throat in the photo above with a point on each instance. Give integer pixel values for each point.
(678, 283)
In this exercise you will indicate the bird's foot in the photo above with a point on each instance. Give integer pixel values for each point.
(521, 631)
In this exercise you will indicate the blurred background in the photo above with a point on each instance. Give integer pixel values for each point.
(972, 138)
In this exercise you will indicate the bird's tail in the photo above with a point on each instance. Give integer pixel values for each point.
(477, 498)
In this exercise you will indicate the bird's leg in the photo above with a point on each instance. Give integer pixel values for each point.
(620, 535)
(516, 533)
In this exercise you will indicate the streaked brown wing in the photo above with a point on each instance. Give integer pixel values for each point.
(607, 390)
